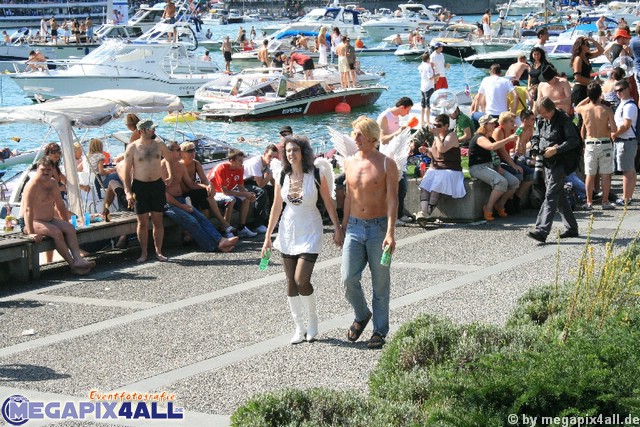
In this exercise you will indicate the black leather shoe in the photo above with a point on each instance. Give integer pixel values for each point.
(569, 233)
(536, 235)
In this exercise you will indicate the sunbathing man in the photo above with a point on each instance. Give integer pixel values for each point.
(147, 190)
(40, 201)
(187, 216)
(202, 192)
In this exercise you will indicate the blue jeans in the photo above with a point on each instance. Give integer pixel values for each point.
(362, 244)
(197, 225)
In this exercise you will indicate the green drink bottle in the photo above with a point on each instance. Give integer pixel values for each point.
(264, 261)
(386, 256)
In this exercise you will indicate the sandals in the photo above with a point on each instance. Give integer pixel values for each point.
(376, 342)
(357, 328)
(487, 214)
(502, 212)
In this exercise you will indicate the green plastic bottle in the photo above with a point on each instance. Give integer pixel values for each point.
(264, 261)
(386, 256)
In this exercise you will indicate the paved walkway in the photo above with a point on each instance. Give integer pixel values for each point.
(214, 329)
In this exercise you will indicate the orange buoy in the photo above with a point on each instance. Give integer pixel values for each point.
(343, 107)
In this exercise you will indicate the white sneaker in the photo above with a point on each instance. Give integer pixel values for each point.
(406, 219)
(261, 229)
(245, 232)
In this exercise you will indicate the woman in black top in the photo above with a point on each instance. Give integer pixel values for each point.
(538, 60)
(581, 54)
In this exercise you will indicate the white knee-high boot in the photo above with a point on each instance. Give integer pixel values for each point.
(297, 312)
(309, 302)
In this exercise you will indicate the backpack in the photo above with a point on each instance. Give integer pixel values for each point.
(633, 128)
(316, 178)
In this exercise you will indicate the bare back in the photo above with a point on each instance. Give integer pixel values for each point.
(366, 181)
(598, 120)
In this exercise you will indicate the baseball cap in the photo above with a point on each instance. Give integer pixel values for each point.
(620, 32)
(146, 124)
(437, 45)
(286, 129)
(548, 73)
(487, 118)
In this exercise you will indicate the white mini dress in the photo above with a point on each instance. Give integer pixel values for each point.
(300, 229)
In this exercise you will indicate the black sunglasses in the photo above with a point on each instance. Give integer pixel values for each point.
(438, 125)
(619, 89)
(190, 150)
(56, 151)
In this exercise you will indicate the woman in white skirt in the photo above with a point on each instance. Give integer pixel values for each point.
(444, 176)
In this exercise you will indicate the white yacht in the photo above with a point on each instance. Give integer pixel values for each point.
(347, 20)
(25, 13)
(411, 17)
(153, 66)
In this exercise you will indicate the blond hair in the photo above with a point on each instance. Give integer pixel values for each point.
(187, 145)
(368, 127)
(506, 116)
(95, 146)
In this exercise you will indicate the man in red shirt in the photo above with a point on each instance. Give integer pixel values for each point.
(303, 60)
(227, 178)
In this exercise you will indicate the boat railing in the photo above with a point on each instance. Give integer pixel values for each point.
(88, 69)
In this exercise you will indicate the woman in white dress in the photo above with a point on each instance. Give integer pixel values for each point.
(444, 176)
(299, 237)
(321, 43)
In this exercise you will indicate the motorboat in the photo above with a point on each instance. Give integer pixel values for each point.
(411, 17)
(521, 7)
(345, 19)
(160, 67)
(461, 40)
(410, 52)
(89, 110)
(278, 96)
(148, 16)
(503, 58)
(249, 77)
(25, 13)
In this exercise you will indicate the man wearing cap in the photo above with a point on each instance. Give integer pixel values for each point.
(285, 131)
(146, 193)
(620, 44)
(558, 138)
(556, 88)
(439, 66)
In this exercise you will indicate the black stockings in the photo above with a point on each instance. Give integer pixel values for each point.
(298, 272)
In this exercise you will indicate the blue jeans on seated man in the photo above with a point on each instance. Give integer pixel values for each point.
(362, 245)
(197, 225)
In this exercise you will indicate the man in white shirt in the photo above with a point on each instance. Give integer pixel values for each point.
(625, 140)
(257, 174)
(493, 92)
(439, 66)
(427, 86)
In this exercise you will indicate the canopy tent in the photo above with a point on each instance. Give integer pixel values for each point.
(88, 110)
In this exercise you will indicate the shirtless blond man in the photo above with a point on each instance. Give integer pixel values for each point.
(370, 210)
(41, 199)
(598, 123)
(146, 193)
(556, 88)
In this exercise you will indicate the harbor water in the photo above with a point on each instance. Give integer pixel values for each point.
(401, 78)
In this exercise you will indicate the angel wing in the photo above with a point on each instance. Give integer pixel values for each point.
(398, 149)
(344, 145)
(276, 168)
(326, 170)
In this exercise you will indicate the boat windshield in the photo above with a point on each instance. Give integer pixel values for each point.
(108, 52)
(319, 15)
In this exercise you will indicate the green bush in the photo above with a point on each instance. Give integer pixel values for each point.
(594, 372)
(402, 373)
(323, 407)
